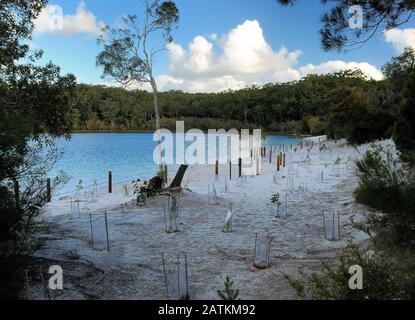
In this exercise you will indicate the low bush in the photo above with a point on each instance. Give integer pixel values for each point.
(386, 185)
(383, 278)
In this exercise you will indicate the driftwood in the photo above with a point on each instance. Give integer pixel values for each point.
(177, 181)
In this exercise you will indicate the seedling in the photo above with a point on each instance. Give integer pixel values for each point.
(171, 212)
(262, 251)
(176, 278)
(212, 196)
(331, 225)
(229, 219)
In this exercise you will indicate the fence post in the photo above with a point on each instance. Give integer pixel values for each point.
(278, 162)
(109, 181)
(217, 168)
(48, 190)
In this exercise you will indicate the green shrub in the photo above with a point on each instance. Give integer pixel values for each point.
(382, 279)
(229, 293)
(386, 185)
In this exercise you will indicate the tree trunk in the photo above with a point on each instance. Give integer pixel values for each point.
(157, 115)
(155, 102)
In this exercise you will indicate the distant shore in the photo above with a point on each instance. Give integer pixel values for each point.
(152, 131)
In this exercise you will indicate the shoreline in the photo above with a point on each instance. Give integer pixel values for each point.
(137, 235)
(269, 133)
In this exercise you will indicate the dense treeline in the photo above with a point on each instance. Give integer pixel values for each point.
(313, 105)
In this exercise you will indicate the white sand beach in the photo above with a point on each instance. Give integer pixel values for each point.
(314, 180)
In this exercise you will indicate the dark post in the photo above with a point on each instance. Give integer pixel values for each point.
(217, 168)
(283, 161)
(230, 170)
(48, 190)
(106, 231)
(109, 181)
(278, 162)
(165, 173)
(270, 155)
(240, 167)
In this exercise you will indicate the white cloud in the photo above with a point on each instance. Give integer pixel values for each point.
(338, 65)
(244, 52)
(238, 59)
(52, 20)
(401, 38)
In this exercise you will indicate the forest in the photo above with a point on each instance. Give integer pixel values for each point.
(312, 105)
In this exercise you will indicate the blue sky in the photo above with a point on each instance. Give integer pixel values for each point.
(295, 28)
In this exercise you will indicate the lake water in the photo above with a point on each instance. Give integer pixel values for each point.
(89, 156)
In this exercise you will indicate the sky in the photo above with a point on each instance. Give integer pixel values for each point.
(218, 45)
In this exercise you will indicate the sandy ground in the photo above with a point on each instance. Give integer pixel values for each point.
(133, 268)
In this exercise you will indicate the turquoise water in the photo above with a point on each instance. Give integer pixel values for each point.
(89, 156)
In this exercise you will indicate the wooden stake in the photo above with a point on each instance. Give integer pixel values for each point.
(278, 163)
(110, 182)
(217, 168)
(230, 170)
(240, 167)
(166, 175)
(283, 161)
(106, 230)
(92, 232)
(48, 190)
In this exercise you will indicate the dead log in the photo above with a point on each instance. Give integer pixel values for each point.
(177, 181)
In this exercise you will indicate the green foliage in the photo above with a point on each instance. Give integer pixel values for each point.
(275, 199)
(145, 189)
(35, 104)
(382, 278)
(315, 125)
(404, 132)
(140, 191)
(125, 56)
(401, 74)
(336, 33)
(229, 293)
(350, 116)
(386, 185)
(299, 107)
